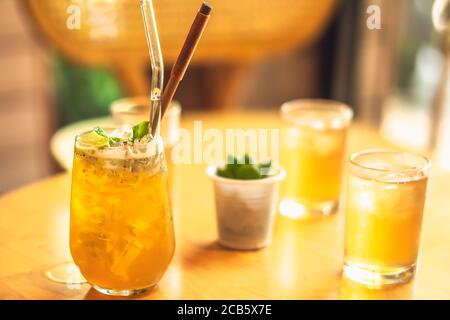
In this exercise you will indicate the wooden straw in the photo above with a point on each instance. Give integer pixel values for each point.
(183, 60)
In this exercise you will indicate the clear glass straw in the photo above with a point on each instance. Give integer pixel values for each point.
(156, 60)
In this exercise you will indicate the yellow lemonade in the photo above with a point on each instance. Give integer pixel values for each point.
(313, 151)
(314, 161)
(121, 229)
(170, 169)
(383, 221)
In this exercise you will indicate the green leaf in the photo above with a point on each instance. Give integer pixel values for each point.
(247, 159)
(248, 172)
(244, 169)
(140, 130)
(100, 132)
(113, 140)
(232, 165)
(224, 173)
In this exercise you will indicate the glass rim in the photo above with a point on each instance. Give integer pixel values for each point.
(423, 168)
(112, 127)
(326, 105)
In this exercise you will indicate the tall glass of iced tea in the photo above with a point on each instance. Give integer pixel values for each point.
(313, 150)
(385, 201)
(121, 229)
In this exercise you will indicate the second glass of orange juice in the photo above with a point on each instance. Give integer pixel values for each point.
(313, 151)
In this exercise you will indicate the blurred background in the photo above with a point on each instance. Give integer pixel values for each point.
(256, 54)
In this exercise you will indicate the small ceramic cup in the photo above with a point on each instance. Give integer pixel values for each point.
(245, 209)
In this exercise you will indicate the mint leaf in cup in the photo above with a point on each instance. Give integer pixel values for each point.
(247, 159)
(231, 166)
(224, 173)
(244, 169)
(248, 172)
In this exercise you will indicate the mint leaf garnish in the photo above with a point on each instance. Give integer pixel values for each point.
(224, 173)
(113, 140)
(248, 172)
(140, 130)
(101, 137)
(101, 132)
(247, 159)
(232, 166)
(244, 169)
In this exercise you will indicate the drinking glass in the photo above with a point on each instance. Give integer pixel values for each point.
(385, 201)
(121, 228)
(313, 149)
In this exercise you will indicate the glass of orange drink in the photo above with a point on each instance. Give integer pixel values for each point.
(121, 228)
(385, 202)
(313, 150)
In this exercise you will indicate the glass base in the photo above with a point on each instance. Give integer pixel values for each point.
(370, 277)
(65, 273)
(294, 209)
(121, 293)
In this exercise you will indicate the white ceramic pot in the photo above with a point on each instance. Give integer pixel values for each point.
(245, 209)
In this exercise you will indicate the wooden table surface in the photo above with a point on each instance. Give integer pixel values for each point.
(303, 262)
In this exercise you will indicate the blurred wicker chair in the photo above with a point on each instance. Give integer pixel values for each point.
(240, 32)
